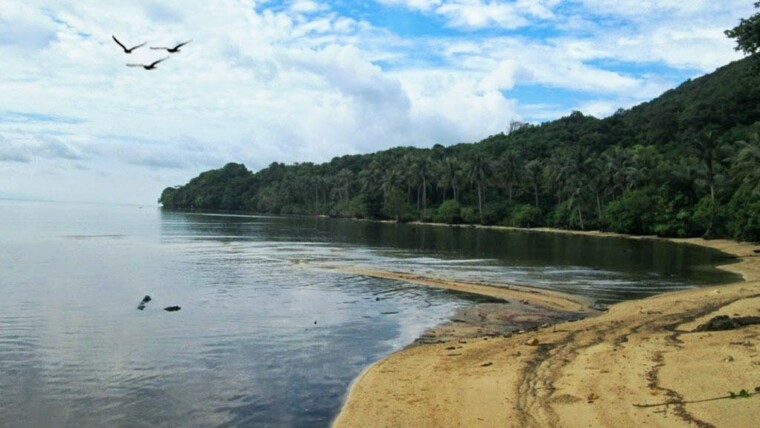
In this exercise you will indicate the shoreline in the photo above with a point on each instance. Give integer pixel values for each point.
(639, 363)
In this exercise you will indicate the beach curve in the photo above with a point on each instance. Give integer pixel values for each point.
(639, 363)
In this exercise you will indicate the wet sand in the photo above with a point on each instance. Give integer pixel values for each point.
(642, 363)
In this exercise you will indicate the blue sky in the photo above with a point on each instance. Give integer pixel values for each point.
(307, 80)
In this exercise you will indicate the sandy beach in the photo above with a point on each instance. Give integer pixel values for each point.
(641, 363)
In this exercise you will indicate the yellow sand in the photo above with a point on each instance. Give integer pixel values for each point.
(639, 364)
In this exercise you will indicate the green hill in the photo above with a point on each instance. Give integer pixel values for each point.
(684, 164)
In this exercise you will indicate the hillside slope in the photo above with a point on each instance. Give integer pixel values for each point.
(684, 164)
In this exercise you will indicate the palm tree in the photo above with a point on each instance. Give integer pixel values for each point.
(619, 170)
(478, 172)
(407, 172)
(534, 171)
(599, 183)
(511, 165)
(371, 176)
(318, 182)
(570, 170)
(390, 181)
(746, 166)
(343, 180)
(711, 158)
(423, 170)
(449, 173)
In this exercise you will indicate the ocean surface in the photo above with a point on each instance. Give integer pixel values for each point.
(271, 331)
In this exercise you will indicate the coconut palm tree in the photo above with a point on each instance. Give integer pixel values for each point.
(478, 171)
(534, 172)
(712, 157)
(511, 170)
(449, 173)
(747, 164)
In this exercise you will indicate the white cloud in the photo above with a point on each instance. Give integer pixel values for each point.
(648, 9)
(308, 80)
(483, 13)
(307, 6)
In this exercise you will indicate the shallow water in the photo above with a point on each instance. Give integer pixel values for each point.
(267, 334)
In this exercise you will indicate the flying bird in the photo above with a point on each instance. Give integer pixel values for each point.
(150, 66)
(174, 49)
(127, 50)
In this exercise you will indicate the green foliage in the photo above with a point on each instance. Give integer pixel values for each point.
(470, 215)
(701, 216)
(564, 216)
(674, 217)
(632, 213)
(449, 212)
(741, 394)
(525, 215)
(747, 33)
(744, 217)
(683, 164)
(494, 212)
(359, 207)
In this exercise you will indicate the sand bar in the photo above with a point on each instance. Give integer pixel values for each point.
(640, 364)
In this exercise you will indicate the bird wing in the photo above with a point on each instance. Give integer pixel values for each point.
(138, 46)
(119, 43)
(156, 62)
(134, 65)
(183, 44)
(158, 48)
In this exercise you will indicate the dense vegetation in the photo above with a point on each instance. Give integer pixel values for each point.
(684, 164)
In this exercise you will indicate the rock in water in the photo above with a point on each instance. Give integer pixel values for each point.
(172, 308)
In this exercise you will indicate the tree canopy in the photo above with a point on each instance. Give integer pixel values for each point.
(683, 164)
(747, 33)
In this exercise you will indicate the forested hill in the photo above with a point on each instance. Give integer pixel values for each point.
(684, 164)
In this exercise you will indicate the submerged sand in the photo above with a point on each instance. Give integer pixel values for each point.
(642, 363)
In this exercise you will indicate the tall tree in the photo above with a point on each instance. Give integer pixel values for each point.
(577, 170)
(343, 181)
(619, 169)
(511, 166)
(712, 157)
(747, 165)
(423, 170)
(449, 174)
(534, 171)
(478, 172)
(747, 33)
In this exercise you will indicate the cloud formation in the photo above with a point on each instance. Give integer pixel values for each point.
(307, 80)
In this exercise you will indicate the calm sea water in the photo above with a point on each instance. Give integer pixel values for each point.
(267, 334)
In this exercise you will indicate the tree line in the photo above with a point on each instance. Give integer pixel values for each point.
(684, 164)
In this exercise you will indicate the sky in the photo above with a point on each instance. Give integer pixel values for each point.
(308, 80)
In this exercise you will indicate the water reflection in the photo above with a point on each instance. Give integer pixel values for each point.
(245, 349)
(607, 270)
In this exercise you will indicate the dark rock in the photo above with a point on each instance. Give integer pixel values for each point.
(172, 308)
(724, 322)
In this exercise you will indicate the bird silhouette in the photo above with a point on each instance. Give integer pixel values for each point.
(150, 66)
(127, 50)
(174, 49)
